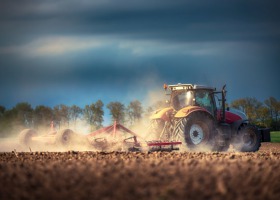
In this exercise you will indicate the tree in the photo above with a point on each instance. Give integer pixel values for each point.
(239, 104)
(277, 110)
(75, 112)
(249, 106)
(117, 111)
(16, 119)
(94, 114)
(65, 114)
(98, 114)
(274, 110)
(273, 106)
(23, 114)
(88, 113)
(57, 115)
(3, 121)
(42, 116)
(269, 103)
(134, 111)
(2, 110)
(61, 115)
(263, 115)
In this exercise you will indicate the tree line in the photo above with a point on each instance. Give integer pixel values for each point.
(24, 116)
(263, 114)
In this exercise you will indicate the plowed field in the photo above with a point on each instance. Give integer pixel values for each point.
(157, 175)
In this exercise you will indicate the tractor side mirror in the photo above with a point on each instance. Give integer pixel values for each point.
(224, 103)
(224, 92)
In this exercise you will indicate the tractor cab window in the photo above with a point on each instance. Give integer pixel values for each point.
(182, 99)
(204, 99)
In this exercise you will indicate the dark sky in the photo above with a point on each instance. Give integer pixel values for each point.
(76, 52)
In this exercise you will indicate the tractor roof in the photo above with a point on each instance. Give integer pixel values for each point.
(180, 86)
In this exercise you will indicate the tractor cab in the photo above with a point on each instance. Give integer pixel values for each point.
(184, 95)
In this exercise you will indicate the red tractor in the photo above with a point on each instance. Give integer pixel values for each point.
(193, 118)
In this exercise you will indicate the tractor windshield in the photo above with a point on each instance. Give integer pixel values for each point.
(204, 98)
(184, 98)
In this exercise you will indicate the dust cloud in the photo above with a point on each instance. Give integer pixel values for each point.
(49, 139)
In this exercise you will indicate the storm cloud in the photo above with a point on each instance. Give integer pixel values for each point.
(55, 52)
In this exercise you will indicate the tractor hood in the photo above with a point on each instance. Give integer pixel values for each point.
(188, 110)
(162, 113)
(232, 115)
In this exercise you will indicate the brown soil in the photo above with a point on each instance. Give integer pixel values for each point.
(158, 175)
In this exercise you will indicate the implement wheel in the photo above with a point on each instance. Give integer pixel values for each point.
(25, 137)
(65, 137)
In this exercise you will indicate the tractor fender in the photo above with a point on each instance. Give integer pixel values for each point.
(162, 114)
(184, 112)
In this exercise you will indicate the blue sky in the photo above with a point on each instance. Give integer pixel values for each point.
(76, 52)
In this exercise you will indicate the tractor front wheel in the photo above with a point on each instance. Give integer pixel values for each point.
(197, 130)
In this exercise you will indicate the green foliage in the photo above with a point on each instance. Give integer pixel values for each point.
(2, 110)
(75, 113)
(134, 111)
(275, 136)
(274, 107)
(248, 105)
(94, 114)
(23, 112)
(16, 119)
(65, 114)
(264, 115)
(117, 111)
(62, 115)
(42, 116)
(56, 115)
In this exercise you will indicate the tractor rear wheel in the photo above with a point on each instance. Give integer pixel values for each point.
(197, 131)
(25, 137)
(248, 139)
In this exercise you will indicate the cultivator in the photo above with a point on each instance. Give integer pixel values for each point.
(115, 137)
(163, 145)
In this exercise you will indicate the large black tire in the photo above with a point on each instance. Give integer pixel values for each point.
(248, 139)
(25, 137)
(196, 130)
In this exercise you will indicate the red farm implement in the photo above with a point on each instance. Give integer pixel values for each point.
(115, 137)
